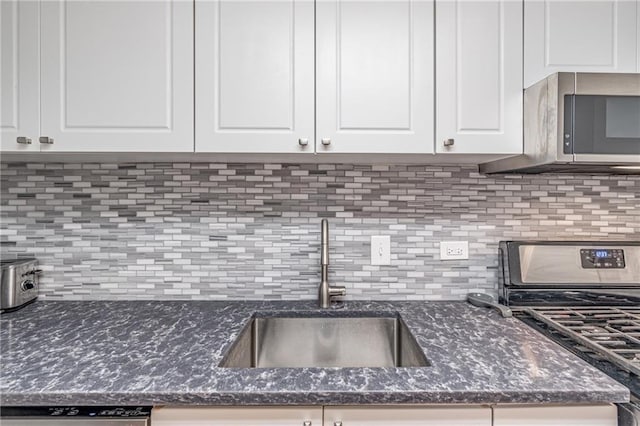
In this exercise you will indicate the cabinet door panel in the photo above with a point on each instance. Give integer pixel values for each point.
(117, 75)
(374, 75)
(254, 76)
(362, 66)
(19, 75)
(236, 416)
(580, 415)
(592, 36)
(479, 76)
(408, 416)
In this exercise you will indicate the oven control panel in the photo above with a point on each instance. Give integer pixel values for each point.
(595, 258)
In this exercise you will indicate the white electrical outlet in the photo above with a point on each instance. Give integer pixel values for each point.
(454, 250)
(381, 250)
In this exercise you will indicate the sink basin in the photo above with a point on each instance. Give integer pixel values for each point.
(296, 342)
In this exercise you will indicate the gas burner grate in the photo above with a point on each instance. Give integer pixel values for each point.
(613, 332)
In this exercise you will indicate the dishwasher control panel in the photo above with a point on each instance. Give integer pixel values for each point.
(75, 415)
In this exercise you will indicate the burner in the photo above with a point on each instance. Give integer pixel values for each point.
(613, 332)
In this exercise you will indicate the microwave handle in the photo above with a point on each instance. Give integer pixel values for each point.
(569, 122)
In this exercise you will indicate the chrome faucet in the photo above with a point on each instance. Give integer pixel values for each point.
(325, 291)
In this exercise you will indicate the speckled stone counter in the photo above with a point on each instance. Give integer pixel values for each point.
(99, 353)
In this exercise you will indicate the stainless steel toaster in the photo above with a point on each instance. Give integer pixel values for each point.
(18, 283)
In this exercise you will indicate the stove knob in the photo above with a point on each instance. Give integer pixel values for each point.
(27, 285)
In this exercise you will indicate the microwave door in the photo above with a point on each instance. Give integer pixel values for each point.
(599, 126)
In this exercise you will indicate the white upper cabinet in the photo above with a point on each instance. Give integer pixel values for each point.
(479, 77)
(254, 76)
(407, 416)
(19, 76)
(590, 35)
(117, 75)
(281, 76)
(579, 415)
(374, 76)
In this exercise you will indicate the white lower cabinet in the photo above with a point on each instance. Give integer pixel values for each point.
(407, 416)
(237, 416)
(578, 415)
(345, 416)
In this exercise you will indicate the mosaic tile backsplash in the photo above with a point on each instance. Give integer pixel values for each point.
(247, 231)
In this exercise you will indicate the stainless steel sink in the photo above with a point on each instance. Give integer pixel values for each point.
(278, 341)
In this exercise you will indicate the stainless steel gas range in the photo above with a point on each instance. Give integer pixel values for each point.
(586, 297)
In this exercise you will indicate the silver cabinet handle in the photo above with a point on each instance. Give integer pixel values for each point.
(449, 142)
(23, 139)
(337, 423)
(46, 139)
(303, 142)
(306, 423)
(326, 141)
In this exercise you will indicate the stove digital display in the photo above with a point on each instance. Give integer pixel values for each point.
(602, 258)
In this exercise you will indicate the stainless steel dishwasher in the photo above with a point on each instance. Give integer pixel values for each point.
(75, 416)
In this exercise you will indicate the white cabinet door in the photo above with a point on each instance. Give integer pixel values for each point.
(237, 416)
(579, 415)
(117, 75)
(479, 76)
(19, 76)
(374, 76)
(589, 35)
(408, 416)
(254, 76)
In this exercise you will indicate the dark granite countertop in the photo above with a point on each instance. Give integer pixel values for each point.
(99, 353)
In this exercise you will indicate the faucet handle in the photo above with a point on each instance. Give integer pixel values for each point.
(337, 291)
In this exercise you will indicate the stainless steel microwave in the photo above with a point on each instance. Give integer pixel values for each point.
(579, 122)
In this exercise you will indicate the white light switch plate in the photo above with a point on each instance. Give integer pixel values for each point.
(454, 250)
(381, 250)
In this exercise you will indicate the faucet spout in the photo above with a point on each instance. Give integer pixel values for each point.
(325, 291)
(324, 243)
